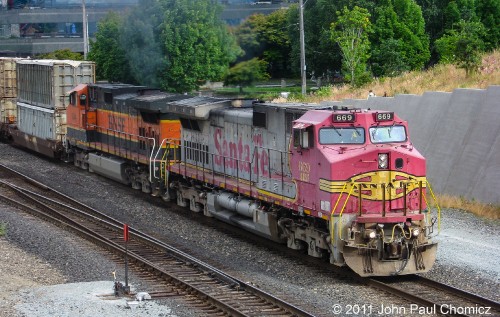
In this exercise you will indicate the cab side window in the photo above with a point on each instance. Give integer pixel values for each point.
(83, 100)
(303, 138)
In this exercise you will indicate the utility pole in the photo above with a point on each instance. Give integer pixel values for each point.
(85, 31)
(302, 47)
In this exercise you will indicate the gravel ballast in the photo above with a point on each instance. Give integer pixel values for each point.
(466, 255)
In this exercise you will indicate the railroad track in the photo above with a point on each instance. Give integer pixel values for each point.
(201, 285)
(431, 297)
(423, 294)
(426, 297)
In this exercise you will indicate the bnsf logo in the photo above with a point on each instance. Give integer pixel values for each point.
(116, 123)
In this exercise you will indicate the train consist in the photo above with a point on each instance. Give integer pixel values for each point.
(342, 184)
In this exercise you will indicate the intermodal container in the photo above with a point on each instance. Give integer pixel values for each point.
(44, 83)
(8, 87)
(44, 123)
(7, 110)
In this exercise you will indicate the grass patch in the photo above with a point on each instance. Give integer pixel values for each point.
(489, 211)
(438, 78)
(3, 229)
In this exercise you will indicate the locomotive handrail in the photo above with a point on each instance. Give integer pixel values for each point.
(343, 207)
(158, 152)
(358, 186)
(437, 206)
(151, 159)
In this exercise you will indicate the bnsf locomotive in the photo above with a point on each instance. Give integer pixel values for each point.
(342, 184)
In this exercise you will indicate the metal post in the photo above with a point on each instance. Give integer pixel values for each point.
(360, 200)
(126, 238)
(404, 197)
(126, 264)
(420, 204)
(302, 47)
(85, 31)
(383, 200)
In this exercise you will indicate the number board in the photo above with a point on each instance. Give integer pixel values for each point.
(384, 116)
(344, 117)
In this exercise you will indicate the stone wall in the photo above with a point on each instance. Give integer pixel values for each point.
(458, 133)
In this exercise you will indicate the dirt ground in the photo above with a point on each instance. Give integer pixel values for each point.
(20, 270)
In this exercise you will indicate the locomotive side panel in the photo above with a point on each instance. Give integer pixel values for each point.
(231, 144)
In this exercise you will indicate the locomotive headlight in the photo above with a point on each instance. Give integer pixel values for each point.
(370, 234)
(415, 232)
(383, 160)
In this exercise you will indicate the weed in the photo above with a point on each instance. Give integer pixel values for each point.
(3, 229)
(489, 211)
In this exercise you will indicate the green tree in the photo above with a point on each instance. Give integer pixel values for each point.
(62, 54)
(399, 25)
(488, 12)
(107, 53)
(323, 56)
(351, 33)
(140, 39)
(249, 38)
(266, 37)
(246, 73)
(388, 59)
(274, 35)
(463, 45)
(197, 45)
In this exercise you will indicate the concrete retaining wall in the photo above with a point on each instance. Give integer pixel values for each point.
(458, 133)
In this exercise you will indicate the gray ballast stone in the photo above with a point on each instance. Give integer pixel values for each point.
(88, 299)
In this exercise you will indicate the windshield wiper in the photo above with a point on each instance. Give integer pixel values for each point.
(335, 129)
(390, 129)
(355, 129)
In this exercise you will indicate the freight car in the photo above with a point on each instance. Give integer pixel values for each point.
(42, 85)
(343, 184)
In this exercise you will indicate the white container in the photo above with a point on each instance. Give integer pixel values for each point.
(44, 123)
(44, 83)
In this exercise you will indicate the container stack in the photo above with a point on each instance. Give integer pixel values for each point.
(8, 91)
(42, 87)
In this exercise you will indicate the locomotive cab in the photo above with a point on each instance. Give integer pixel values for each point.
(371, 189)
(79, 113)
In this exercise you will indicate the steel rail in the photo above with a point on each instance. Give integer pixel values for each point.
(416, 299)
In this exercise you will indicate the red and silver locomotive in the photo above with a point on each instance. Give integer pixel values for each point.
(343, 184)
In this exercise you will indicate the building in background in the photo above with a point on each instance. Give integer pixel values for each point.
(31, 27)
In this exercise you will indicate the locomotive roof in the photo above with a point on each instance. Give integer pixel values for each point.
(196, 107)
(289, 105)
(106, 85)
(303, 107)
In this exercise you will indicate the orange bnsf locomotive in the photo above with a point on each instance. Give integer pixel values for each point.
(342, 184)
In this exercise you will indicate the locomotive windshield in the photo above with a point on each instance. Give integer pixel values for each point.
(342, 135)
(388, 134)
